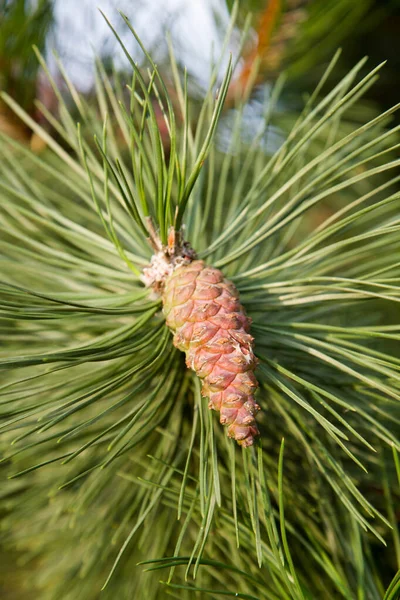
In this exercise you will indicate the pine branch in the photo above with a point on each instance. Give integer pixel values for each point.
(97, 407)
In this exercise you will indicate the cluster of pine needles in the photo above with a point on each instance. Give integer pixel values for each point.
(119, 477)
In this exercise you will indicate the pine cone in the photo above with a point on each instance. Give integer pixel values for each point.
(202, 309)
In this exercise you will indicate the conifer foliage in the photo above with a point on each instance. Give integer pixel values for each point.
(119, 476)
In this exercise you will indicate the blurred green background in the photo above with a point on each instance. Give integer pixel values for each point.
(305, 35)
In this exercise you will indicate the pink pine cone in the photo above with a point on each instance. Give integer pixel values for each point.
(202, 309)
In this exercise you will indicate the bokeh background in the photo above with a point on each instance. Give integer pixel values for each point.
(296, 36)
